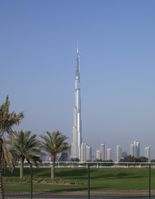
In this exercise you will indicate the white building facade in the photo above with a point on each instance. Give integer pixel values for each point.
(102, 151)
(147, 153)
(109, 154)
(118, 153)
(86, 152)
(97, 154)
(135, 149)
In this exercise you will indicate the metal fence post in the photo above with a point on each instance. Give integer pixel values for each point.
(31, 180)
(88, 181)
(149, 181)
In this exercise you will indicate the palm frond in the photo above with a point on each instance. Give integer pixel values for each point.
(54, 143)
(7, 156)
(7, 119)
(26, 146)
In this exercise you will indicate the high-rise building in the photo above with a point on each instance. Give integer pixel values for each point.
(97, 154)
(124, 154)
(77, 126)
(89, 153)
(109, 154)
(135, 149)
(85, 152)
(102, 151)
(147, 153)
(64, 156)
(132, 149)
(118, 153)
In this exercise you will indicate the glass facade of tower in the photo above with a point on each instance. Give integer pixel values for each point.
(77, 126)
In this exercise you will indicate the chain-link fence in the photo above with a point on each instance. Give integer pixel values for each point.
(82, 180)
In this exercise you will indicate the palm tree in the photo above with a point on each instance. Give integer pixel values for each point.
(6, 159)
(54, 143)
(7, 121)
(25, 147)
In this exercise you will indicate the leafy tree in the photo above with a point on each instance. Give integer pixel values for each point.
(131, 160)
(54, 143)
(7, 121)
(143, 159)
(75, 160)
(128, 158)
(107, 162)
(25, 146)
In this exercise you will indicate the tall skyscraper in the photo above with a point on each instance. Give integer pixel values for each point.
(89, 153)
(97, 154)
(109, 154)
(77, 126)
(118, 153)
(135, 149)
(132, 149)
(147, 152)
(102, 151)
(85, 152)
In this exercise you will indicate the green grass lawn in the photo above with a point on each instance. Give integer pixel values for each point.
(76, 179)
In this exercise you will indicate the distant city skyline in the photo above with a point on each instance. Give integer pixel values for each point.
(106, 153)
(117, 48)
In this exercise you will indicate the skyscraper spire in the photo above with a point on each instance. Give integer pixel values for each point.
(77, 47)
(77, 125)
(77, 74)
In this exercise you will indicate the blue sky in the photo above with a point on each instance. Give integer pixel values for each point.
(117, 47)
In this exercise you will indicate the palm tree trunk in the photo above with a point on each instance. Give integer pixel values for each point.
(1, 181)
(53, 168)
(1, 172)
(21, 168)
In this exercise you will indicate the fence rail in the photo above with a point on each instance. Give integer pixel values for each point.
(84, 180)
(71, 164)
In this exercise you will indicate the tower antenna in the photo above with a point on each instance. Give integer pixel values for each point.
(77, 46)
